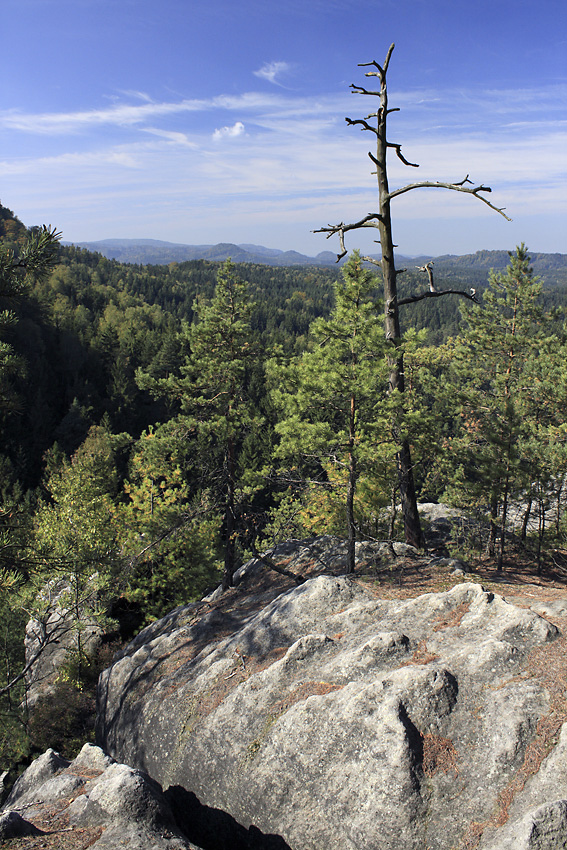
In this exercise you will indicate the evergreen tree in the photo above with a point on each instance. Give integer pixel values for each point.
(169, 538)
(491, 361)
(211, 390)
(18, 267)
(76, 535)
(331, 413)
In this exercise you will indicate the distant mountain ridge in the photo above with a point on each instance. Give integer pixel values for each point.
(159, 252)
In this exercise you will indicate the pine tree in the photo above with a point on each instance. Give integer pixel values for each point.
(331, 413)
(211, 390)
(492, 357)
(76, 535)
(169, 540)
(32, 261)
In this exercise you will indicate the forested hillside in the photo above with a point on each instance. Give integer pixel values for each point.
(159, 423)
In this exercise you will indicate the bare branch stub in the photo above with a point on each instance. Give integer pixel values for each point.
(370, 220)
(398, 149)
(428, 269)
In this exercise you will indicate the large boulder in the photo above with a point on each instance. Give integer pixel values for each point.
(333, 718)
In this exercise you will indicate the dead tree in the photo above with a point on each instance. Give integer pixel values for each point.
(375, 123)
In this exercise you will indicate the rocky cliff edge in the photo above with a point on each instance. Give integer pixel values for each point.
(326, 716)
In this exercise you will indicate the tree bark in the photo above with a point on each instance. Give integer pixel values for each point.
(352, 475)
(493, 528)
(505, 497)
(412, 525)
(229, 524)
(526, 520)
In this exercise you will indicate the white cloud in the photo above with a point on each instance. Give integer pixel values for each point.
(68, 122)
(270, 70)
(301, 164)
(73, 163)
(172, 136)
(229, 132)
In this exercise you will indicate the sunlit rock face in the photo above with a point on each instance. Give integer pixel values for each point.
(332, 718)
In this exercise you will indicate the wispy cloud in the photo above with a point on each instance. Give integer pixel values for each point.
(229, 132)
(301, 164)
(73, 163)
(173, 136)
(69, 122)
(271, 71)
(279, 107)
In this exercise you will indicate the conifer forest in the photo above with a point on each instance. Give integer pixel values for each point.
(161, 424)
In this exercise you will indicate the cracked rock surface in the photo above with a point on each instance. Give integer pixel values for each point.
(328, 717)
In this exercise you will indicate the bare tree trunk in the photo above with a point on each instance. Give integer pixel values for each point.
(504, 519)
(558, 505)
(393, 514)
(493, 527)
(352, 475)
(229, 524)
(412, 525)
(526, 520)
(540, 531)
(381, 220)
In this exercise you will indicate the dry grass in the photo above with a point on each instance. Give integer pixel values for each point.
(547, 664)
(439, 755)
(451, 620)
(301, 693)
(66, 838)
(246, 666)
(421, 655)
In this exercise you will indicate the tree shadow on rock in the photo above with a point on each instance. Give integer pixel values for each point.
(213, 829)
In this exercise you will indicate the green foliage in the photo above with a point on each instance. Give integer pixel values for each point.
(20, 265)
(111, 504)
(169, 537)
(212, 391)
(14, 741)
(74, 527)
(334, 422)
(178, 569)
(507, 374)
(65, 721)
(76, 537)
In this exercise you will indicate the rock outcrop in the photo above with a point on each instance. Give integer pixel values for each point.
(105, 805)
(329, 717)
(53, 642)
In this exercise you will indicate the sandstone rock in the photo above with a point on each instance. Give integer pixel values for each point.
(331, 718)
(554, 608)
(543, 829)
(93, 791)
(40, 771)
(12, 825)
(537, 819)
(60, 631)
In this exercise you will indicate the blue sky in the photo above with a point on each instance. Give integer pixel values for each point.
(206, 122)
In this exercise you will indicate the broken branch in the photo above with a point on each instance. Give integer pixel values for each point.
(340, 229)
(457, 187)
(437, 294)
